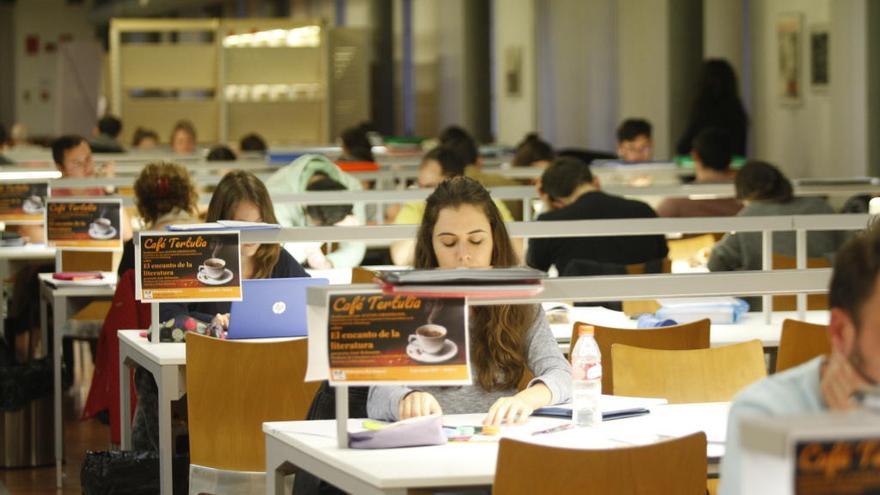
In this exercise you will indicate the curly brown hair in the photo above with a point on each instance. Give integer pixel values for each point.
(161, 188)
(498, 338)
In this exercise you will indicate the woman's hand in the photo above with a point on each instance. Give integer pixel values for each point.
(508, 410)
(222, 320)
(418, 404)
(839, 381)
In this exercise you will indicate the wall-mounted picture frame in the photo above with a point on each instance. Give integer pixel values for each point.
(820, 63)
(513, 69)
(789, 31)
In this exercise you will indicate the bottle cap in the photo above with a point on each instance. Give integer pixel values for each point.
(586, 330)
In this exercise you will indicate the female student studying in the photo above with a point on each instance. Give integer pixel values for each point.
(239, 196)
(462, 228)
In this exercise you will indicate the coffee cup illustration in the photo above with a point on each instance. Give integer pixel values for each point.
(103, 225)
(33, 204)
(213, 268)
(429, 338)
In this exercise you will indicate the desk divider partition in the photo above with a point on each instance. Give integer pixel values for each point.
(586, 289)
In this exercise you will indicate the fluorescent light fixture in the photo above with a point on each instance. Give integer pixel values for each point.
(305, 36)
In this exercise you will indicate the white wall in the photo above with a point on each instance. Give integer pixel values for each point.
(35, 75)
(514, 27)
(577, 72)
(796, 138)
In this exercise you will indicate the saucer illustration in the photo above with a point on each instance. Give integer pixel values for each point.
(205, 279)
(32, 207)
(95, 232)
(448, 351)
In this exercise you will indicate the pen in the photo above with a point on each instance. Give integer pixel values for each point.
(554, 429)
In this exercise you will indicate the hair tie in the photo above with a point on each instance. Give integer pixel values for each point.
(163, 186)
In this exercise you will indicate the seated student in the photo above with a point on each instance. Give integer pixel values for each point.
(712, 153)
(765, 191)
(462, 228)
(634, 142)
(827, 383)
(106, 136)
(356, 146)
(571, 192)
(465, 145)
(253, 143)
(183, 138)
(239, 196)
(295, 178)
(144, 139)
(164, 195)
(340, 215)
(533, 151)
(4, 145)
(221, 153)
(437, 165)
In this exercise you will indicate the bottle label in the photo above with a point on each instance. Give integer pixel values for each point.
(586, 370)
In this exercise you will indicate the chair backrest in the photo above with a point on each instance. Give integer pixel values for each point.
(694, 335)
(701, 375)
(800, 342)
(789, 303)
(633, 307)
(86, 261)
(232, 388)
(673, 466)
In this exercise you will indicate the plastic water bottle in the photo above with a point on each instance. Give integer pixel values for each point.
(586, 379)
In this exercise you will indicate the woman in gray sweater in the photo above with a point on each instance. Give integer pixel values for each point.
(462, 228)
(767, 192)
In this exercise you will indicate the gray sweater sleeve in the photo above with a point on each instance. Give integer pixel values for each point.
(726, 254)
(383, 401)
(546, 361)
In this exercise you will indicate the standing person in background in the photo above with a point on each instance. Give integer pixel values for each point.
(144, 139)
(295, 178)
(712, 155)
(183, 138)
(717, 104)
(532, 151)
(106, 139)
(634, 143)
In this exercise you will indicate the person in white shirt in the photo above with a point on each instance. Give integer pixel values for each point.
(827, 383)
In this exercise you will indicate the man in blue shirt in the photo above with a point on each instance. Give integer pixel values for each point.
(828, 383)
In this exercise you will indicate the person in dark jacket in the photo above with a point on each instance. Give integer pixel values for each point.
(717, 104)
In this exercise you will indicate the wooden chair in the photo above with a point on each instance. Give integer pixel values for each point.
(673, 466)
(800, 342)
(694, 335)
(702, 375)
(232, 388)
(641, 306)
(789, 303)
(86, 261)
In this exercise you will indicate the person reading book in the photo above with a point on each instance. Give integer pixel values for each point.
(462, 228)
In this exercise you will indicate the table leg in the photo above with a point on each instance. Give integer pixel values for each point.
(4, 272)
(44, 326)
(166, 450)
(124, 400)
(276, 468)
(59, 312)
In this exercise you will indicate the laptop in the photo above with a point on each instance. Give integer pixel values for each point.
(271, 307)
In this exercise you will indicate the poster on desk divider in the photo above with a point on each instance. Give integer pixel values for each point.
(84, 224)
(840, 466)
(380, 339)
(188, 266)
(23, 202)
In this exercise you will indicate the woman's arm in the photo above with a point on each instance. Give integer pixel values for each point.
(383, 401)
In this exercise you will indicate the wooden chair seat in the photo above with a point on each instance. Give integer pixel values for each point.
(674, 466)
(694, 335)
(701, 375)
(789, 302)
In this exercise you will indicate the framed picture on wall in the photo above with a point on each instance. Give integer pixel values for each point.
(789, 30)
(820, 73)
(513, 62)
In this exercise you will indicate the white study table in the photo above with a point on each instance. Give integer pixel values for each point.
(59, 298)
(751, 326)
(311, 445)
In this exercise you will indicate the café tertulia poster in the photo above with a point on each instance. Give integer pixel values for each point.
(188, 266)
(85, 224)
(23, 202)
(383, 339)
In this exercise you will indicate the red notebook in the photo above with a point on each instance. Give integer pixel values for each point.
(77, 276)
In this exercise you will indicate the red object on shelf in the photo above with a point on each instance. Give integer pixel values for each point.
(346, 166)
